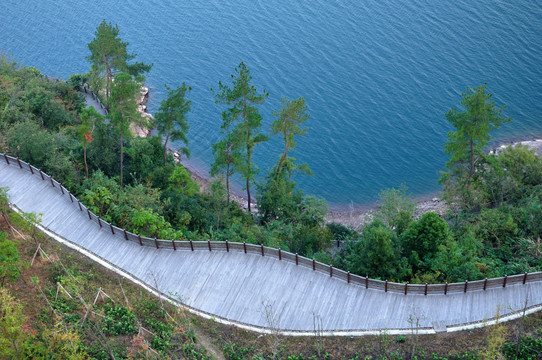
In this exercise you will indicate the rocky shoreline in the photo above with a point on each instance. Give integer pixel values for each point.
(142, 131)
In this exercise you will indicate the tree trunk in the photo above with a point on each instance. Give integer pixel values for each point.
(282, 159)
(121, 158)
(228, 182)
(109, 75)
(471, 172)
(165, 148)
(248, 170)
(121, 145)
(85, 156)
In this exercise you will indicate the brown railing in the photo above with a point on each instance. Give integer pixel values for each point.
(175, 245)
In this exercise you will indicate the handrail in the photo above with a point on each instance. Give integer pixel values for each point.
(87, 90)
(225, 246)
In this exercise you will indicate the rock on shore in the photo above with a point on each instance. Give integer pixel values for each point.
(142, 131)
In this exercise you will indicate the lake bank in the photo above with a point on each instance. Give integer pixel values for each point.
(349, 215)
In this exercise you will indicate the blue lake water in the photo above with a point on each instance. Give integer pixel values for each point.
(377, 76)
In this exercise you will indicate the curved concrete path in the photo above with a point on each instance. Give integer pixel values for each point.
(243, 289)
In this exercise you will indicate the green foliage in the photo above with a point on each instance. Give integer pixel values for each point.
(10, 266)
(375, 254)
(466, 144)
(423, 239)
(171, 121)
(118, 321)
(31, 143)
(396, 208)
(89, 118)
(143, 159)
(12, 335)
(192, 352)
(147, 223)
(109, 55)
(123, 110)
(530, 348)
(228, 158)
(181, 182)
(288, 124)
(235, 352)
(243, 119)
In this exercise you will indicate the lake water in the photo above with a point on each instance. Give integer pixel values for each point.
(377, 76)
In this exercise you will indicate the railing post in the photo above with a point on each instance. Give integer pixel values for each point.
(61, 188)
(41, 173)
(262, 248)
(446, 288)
(425, 290)
(245, 247)
(227, 246)
(504, 282)
(156, 243)
(31, 170)
(296, 259)
(6, 157)
(191, 245)
(19, 162)
(209, 244)
(466, 285)
(88, 212)
(139, 238)
(348, 277)
(485, 284)
(280, 255)
(330, 270)
(99, 222)
(70, 195)
(524, 278)
(125, 234)
(112, 230)
(313, 264)
(406, 288)
(367, 281)
(386, 286)
(174, 247)
(51, 178)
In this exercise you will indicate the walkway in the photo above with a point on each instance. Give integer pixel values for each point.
(238, 287)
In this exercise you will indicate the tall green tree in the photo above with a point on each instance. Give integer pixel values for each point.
(123, 110)
(288, 124)
(242, 118)
(109, 54)
(227, 158)
(89, 118)
(473, 124)
(171, 121)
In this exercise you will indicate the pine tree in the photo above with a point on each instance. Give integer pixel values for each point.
(242, 119)
(171, 119)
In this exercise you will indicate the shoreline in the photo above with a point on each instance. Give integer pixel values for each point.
(355, 218)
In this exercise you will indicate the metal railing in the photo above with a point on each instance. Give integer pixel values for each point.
(225, 246)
